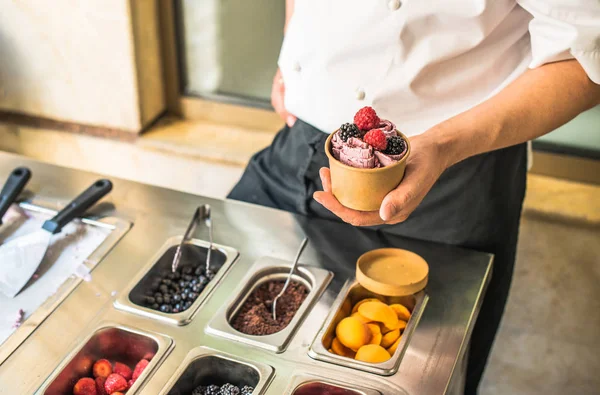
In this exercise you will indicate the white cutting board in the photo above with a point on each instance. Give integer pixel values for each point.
(67, 251)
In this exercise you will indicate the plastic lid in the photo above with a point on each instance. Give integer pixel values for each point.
(392, 272)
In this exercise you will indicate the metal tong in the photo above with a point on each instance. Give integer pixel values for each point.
(289, 278)
(202, 213)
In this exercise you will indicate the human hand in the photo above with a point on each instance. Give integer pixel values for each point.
(277, 94)
(423, 168)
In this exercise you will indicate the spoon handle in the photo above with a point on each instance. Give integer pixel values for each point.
(289, 278)
(209, 225)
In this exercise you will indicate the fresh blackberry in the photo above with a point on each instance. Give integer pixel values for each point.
(229, 389)
(199, 390)
(395, 146)
(348, 130)
(212, 390)
(247, 390)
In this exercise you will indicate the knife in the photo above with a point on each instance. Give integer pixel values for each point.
(12, 188)
(20, 257)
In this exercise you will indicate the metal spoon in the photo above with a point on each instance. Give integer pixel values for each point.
(208, 222)
(289, 278)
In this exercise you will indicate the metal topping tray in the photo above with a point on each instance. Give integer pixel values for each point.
(301, 380)
(264, 270)
(355, 292)
(222, 257)
(115, 343)
(204, 366)
(78, 249)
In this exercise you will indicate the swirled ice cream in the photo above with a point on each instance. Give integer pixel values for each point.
(369, 142)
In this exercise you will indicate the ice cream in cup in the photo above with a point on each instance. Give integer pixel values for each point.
(367, 160)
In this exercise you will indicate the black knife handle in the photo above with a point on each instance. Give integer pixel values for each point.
(78, 207)
(14, 186)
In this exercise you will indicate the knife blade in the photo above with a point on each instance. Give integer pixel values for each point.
(20, 257)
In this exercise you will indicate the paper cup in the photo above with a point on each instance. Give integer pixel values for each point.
(364, 189)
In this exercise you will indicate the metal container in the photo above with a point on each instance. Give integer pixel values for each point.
(115, 343)
(194, 254)
(264, 270)
(204, 366)
(353, 291)
(301, 381)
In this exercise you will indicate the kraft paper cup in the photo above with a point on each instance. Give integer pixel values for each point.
(364, 189)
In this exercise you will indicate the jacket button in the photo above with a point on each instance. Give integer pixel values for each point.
(360, 94)
(394, 4)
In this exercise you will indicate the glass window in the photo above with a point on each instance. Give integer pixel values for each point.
(229, 48)
(580, 137)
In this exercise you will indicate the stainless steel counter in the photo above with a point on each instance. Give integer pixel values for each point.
(433, 354)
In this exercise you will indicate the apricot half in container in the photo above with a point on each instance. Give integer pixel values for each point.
(353, 333)
(380, 312)
(359, 303)
(376, 335)
(372, 353)
(389, 338)
(392, 349)
(338, 348)
(401, 311)
(360, 317)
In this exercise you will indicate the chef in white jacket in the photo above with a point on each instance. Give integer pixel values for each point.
(469, 81)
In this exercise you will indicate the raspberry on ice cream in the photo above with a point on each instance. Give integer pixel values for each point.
(376, 139)
(366, 118)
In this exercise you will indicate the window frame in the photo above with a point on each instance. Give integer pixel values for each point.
(222, 109)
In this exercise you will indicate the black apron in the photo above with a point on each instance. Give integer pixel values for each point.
(475, 204)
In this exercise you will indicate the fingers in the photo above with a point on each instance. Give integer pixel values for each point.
(277, 95)
(325, 175)
(354, 217)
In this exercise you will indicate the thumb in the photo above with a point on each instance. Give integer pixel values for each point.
(395, 202)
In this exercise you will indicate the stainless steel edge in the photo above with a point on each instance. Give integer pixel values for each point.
(118, 229)
(164, 347)
(265, 371)
(431, 358)
(124, 303)
(277, 342)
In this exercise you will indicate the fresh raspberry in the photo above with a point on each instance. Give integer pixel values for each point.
(115, 382)
(366, 118)
(100, 385)
(102, 368)
(139, 369)
(123, 370)
(376, 139)
(85, 386)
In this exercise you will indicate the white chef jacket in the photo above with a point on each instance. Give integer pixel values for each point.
(420, 62)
